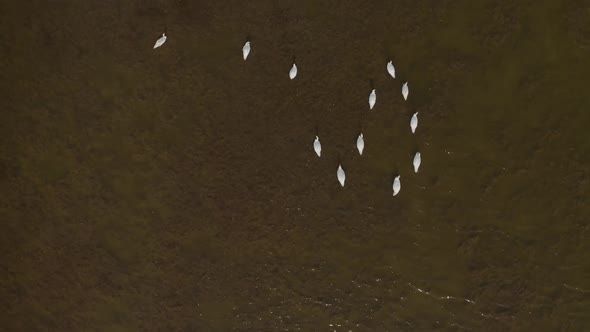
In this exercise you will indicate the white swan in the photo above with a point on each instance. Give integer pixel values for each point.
(246, 50)
(160, 41)
(360, 144)
(414, 122)
(405, 91)
(391, 69)
(417, 161)
(340, 174)
(317, 146)
(372, 99)
(396, 185)
(293, 71)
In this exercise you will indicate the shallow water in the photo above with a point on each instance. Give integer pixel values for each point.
(178, 189)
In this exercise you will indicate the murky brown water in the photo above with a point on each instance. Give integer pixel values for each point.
(177, 189)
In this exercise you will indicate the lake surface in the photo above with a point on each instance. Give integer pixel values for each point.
(177, 189)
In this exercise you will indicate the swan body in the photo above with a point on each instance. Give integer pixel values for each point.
(397, 186)
(293, 71)
(372, 99)
(360, 143)
(391, 69)
(317, 146)
(341, 175)
(417, 161)
(246, 50)
(160, 41)
(405, 91)
(414, 122)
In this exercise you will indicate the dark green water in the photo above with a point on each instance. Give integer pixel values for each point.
(177, 189)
